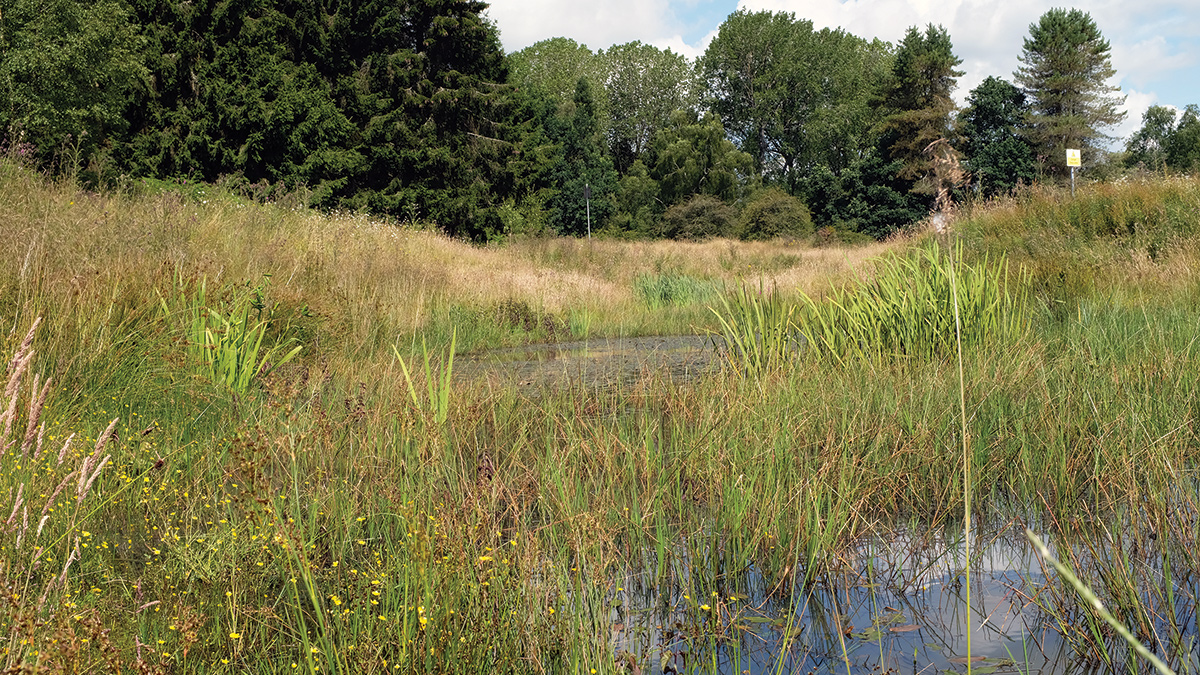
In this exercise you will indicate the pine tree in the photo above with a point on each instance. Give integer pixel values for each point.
(918, 96)
(1065, 68)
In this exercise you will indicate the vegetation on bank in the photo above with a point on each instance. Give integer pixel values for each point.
(412, 110)
(326, 517)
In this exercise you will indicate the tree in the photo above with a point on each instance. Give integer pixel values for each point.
(554, 67)
(584, 167)
(867, 197)
(67, 69)
(699, 217)
(997, 154)
(400, 107)
(791, 97)
(918, 100)
(1148, 145)
(1065, 68)
(645, 85)
(773, 213)
(1183, 146)
(692, 156)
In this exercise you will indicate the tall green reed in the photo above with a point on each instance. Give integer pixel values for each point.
(915, 306)
(438, 377)
(229, 345)
(757, 330)
(918, 306)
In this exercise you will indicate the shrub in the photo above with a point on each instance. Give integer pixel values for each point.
(700, 217)
(773, 213)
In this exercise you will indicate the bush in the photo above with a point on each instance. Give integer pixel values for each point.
(700, 217)
(773, 213)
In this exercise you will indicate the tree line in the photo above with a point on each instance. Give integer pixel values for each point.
(412, 109)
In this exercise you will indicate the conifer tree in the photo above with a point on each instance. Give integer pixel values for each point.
(918, 95)
(1065, 69)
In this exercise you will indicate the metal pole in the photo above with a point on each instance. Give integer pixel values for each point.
(1072, 182)
(587, 191)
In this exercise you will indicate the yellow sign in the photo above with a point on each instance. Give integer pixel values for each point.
(1073, 158)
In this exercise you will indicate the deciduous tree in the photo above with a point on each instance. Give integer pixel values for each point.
(67, 68)
(998, 156)
(791, 97)
(1183, 146)
(645, 86)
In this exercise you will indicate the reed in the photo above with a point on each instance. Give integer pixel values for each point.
(519, 530)
(911, 306)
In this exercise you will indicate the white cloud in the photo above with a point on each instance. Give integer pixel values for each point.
(1149, 60)
(676, 44)
(596, 24)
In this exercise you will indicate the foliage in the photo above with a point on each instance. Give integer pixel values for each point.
(773, 213)
(67, 68)
(584, 168)
(645, 85)
(756, 331)
(700, 217)
(917, 100)
(635, 202)
(414, 120)
(229, 346)
(692, 157)
(1065, 69)
(554, 67)
(1183, 150)
(1148, 145)
(908, 309)
(998, 156)
(867, 197)
(791, 97)
(1161, 143)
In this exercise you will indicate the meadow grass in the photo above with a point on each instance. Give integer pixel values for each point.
(328, 517)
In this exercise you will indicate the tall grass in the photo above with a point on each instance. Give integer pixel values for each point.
(913, 306)
(318, 509)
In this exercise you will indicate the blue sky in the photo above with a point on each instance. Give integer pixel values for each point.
(1155, 47)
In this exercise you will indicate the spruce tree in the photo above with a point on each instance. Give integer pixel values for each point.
(1065, 69)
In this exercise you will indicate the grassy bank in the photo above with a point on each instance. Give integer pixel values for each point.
(325, 517)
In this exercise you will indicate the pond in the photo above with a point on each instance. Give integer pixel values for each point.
(898, 601)
(897, 605)
(601, 362)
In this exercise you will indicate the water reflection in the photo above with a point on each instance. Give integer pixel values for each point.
(899, 605)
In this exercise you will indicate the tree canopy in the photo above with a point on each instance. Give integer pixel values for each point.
(917, 98)
(411, 109)
(791, 97)
(1065, 69)
(998, 156)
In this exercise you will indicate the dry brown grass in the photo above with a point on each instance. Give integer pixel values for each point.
(375, 276)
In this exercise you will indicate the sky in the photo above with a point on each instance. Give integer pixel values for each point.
(1155, 43)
